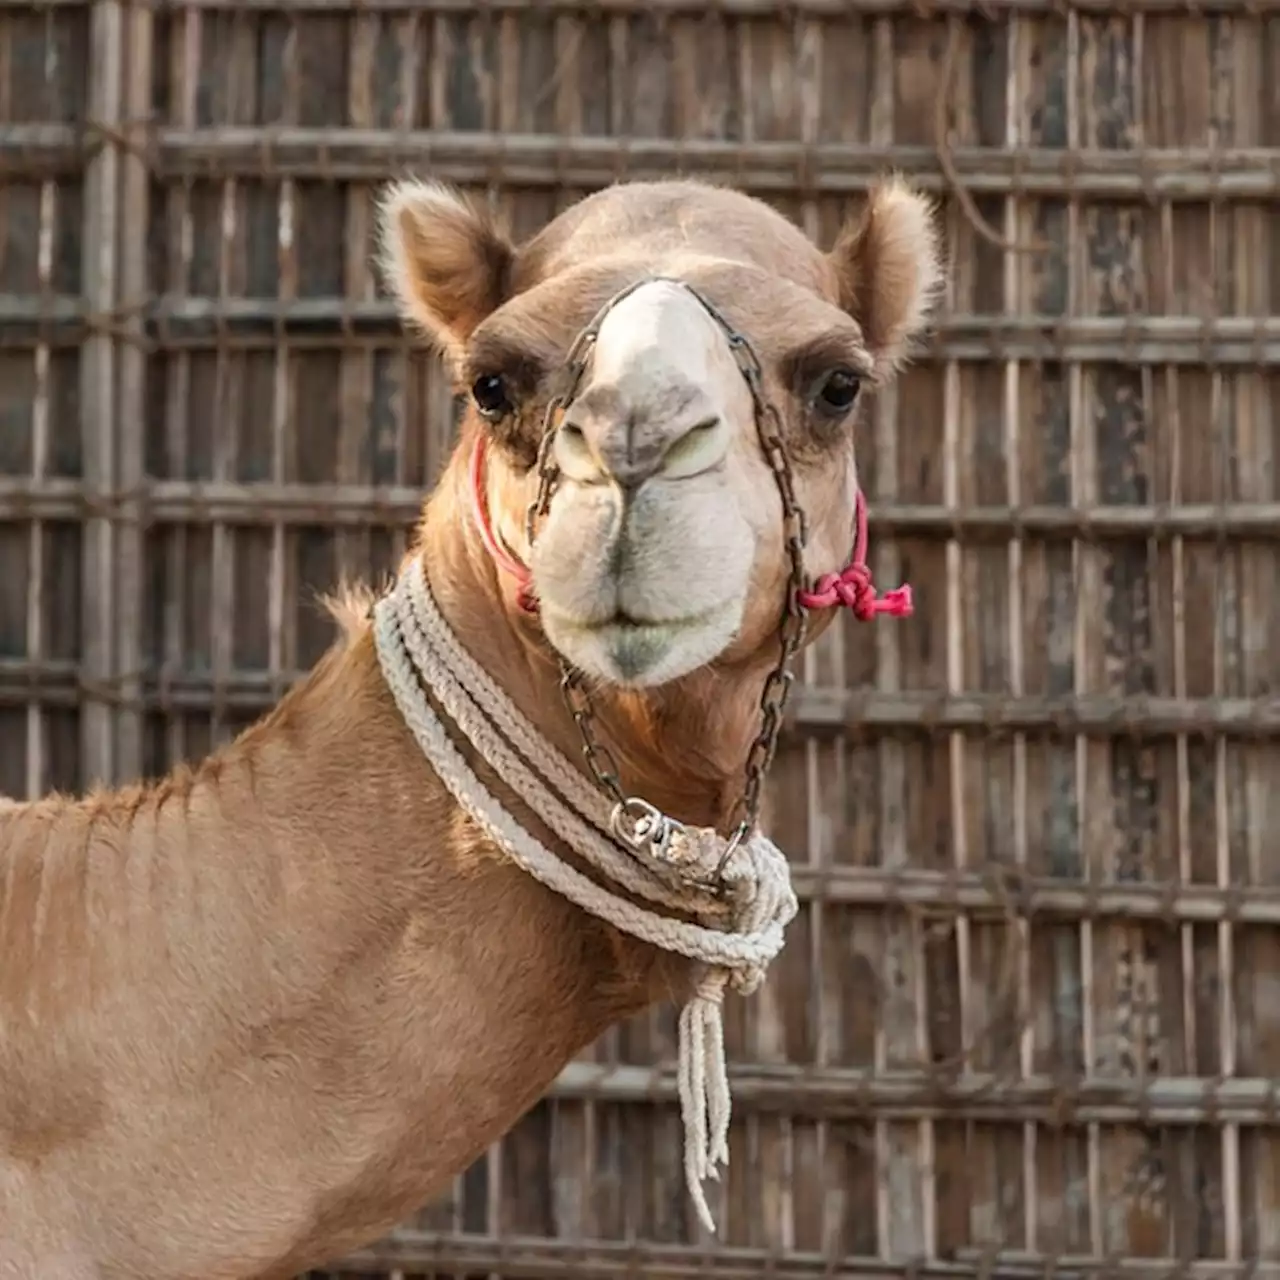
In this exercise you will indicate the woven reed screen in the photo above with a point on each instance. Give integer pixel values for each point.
(1029, 1020)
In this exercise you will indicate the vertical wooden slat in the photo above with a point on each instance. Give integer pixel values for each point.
(1253, 267)
(98, 387)
(355, 549)
(898, 1226)
(135, 181)
(36, 751)
(1220, 122)
(418, 37)
(179, 554)
(1015, 232)
(1045, 601)
(807, 1228)
(951, 594)
(1187, 237)
(287, 375)
(960, 288)
(1082, 490)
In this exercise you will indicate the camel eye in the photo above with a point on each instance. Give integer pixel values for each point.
(837, 392)
(490, 395)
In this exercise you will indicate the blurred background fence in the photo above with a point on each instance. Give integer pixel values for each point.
(1029, 1019)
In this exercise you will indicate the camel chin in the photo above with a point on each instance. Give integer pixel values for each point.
(642, 655)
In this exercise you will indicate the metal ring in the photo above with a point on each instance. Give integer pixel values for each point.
(648, 825)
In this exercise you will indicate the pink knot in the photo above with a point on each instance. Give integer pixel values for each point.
(854, 589)
(852, 586)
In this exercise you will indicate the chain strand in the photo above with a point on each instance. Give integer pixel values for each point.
(777, 686)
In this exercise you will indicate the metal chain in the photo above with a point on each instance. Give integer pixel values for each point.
(777, 686)
(791, 631)
(602, 761)
(548, 472)
(575, 366)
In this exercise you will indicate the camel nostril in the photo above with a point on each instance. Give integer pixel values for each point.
(576, 454)
(697, 449)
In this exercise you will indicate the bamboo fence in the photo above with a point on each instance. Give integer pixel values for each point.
(1028, 1023)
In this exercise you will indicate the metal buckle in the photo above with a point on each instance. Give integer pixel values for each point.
(638, 823)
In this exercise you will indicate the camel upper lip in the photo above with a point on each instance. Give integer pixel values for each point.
(620, 619)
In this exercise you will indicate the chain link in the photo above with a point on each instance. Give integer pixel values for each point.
(548, 472)
(575, 366)
(603, 763)
(777, 686)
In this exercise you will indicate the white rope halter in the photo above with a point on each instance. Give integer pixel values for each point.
(740, 926)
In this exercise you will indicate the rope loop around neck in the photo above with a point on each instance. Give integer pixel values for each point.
(735, 932)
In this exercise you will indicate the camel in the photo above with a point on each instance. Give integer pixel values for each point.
(257, 1012)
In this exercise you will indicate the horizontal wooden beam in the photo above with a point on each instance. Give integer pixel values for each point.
(538, 1258)
(540, 160)
(813, 711)
(855, 712)
(171, 323)
(255, 504)
(832, 9)
(834, 1093)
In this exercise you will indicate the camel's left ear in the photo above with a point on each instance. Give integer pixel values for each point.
(888, 268)
(447, 261)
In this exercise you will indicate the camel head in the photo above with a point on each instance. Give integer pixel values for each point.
(663, 548)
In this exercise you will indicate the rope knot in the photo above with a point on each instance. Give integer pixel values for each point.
(711, 986)
(854, 589)
(761, 903)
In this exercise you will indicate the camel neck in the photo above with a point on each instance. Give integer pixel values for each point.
(301, 949)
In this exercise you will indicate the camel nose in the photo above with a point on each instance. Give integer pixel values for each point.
(657, 394)
(627, 449)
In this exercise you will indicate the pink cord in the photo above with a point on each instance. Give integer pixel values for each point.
(480, 511)
(852, 587)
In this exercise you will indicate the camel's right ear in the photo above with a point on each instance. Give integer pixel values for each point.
(889, 269)
(447, 261)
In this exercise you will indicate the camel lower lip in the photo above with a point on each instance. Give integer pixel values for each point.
(628, 652)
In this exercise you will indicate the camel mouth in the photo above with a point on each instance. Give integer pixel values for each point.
(635, 653)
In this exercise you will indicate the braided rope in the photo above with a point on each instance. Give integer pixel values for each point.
(736, 931)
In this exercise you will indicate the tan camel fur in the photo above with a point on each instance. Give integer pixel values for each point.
(255, 1013)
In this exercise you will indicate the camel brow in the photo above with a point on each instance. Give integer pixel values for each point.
(828, 350)
(504, 352)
